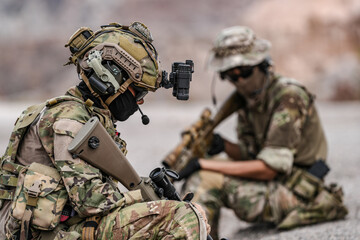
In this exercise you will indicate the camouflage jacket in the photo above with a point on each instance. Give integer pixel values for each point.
(89, 191)
(284, 130)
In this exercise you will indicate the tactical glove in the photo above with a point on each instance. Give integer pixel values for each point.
(217, 145)
(189, 169)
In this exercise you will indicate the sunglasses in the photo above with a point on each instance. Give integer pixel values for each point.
(234, 74)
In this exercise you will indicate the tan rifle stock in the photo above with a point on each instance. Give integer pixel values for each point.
(94, 145)
(196, 139)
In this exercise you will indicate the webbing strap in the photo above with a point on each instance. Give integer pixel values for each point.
(73, 220)
(86, 80)
(11, 167)
(121, 90)
(25, 224)
(8, 180)
(6, 194)
(90, 226)
(32, 198)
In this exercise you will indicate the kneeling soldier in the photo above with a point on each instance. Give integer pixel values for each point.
(275, 172)
(46, 192)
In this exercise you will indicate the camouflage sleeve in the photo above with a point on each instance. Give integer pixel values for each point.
(88, 192)
(284, 133)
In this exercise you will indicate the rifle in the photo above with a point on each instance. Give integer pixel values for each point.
(94, 145)
(196, 139)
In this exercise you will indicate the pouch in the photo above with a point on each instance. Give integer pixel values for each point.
(326, 206)
(41, 190)
(303, 184)
(8, 182)
(79, 38)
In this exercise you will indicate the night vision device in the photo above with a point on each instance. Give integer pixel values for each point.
(112, 58)
(179, 79)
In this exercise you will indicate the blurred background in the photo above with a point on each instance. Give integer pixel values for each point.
(315, 42)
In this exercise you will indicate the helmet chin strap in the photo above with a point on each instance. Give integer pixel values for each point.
(144, 118)
(86, 80)
(109, 100)
(121, 90)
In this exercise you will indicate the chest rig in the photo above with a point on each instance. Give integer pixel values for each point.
(14, 188)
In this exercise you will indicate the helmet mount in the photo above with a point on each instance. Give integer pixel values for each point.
(116, 56)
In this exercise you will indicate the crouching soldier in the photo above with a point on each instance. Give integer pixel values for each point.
(47, 193)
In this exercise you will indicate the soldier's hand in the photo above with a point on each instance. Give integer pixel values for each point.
(217, 145)
(189, 169)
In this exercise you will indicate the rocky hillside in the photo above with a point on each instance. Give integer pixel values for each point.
(317, 42)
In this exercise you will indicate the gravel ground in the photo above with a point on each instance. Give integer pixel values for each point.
(148, 145)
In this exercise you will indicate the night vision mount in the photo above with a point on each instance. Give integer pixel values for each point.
(179, 79)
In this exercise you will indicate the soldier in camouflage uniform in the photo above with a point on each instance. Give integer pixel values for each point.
(280, 138)
(46, 193)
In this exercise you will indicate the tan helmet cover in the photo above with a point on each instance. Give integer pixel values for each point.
(129, 47)
(237, 46)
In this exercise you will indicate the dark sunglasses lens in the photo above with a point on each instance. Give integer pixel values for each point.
(228, 76)
(246, 72)
(224, 76)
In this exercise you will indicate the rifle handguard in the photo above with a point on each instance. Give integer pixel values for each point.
(189, 136)
(196, 139)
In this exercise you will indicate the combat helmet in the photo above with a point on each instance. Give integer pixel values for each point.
(238, 46)
(112, 52)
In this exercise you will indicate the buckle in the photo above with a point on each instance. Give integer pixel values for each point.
(33, 193)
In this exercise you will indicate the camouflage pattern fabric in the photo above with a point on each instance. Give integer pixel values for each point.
(51, 197)
(84, 184)
(152, 220)
(148, 61)
(237, 46)
(283, 130)
(328, 205)
(258, 201)
(88, 191)
(251, 201)
(136, 42)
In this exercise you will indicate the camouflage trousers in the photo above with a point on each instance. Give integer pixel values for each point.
(161, 219)
(258, 201)
(252, 201)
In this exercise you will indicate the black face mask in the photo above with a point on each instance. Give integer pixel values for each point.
(123, 106)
